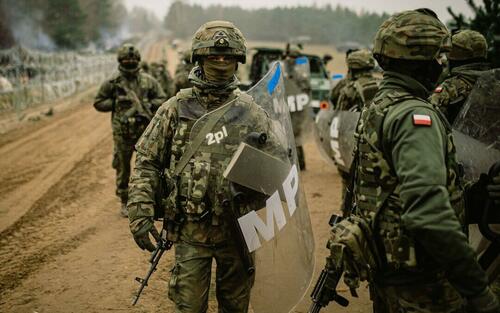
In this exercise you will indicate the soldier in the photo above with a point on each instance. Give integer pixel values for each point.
(182, 71)
(131, 96)
(335, 92)
(362, 85)
(160, 72)
(298, 94)
(467, 61)
(358, 90)
(197, 221)
(407, 187)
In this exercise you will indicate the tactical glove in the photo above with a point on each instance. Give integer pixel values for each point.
(141, 228)
(486, 302)
(493, 186)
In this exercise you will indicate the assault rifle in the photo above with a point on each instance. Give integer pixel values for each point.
(137, 109)
(322, 293)
(162, 245)
(324, 290)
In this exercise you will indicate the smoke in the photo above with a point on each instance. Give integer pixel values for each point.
(26, 26)
(111, 40)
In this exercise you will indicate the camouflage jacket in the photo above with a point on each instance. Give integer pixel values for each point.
(199, 191)
(113, 97)
(452, 93)
(335, 92)
(358, 92)
(182, 71)
(407, 182)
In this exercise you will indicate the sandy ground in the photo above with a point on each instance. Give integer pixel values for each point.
(63, 245)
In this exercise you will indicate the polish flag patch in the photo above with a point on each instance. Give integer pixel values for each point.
(438, 89)
(422, 120)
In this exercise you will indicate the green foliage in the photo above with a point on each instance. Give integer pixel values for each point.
(321, 24)
(486, 21)
(64, 22)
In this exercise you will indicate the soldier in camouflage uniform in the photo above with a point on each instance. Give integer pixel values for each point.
(407, 191)
(118, 95)
(194, 205)
(160, 72)
(358, 90)
(362, 85)
(335, 92)
(182, 71)
(467, 61)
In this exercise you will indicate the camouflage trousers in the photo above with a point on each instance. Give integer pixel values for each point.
(434, 297)
(190, 279)
(122, 156)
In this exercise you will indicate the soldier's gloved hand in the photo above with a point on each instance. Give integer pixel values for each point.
(485, 302)
(141, 228)
(493, 186)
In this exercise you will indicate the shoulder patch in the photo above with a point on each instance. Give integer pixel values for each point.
(438, 89)
(422, 120)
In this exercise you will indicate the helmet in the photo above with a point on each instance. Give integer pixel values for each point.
(218, 38)
(412, 35)
(128, 51)
(468, 44)
(293, 50)
(361, 59)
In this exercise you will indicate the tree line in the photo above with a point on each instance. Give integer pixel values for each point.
(321, 24)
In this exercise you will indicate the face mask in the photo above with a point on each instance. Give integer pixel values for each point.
(219, 72)
(435, 70)
(129, 65)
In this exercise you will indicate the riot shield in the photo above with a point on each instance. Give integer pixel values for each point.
(263, 178)
(334, 135)
(298, 95)
(477, 137)
(477, 127)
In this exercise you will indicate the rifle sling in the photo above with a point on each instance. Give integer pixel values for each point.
(195, 144)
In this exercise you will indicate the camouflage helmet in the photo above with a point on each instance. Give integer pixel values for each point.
(128, 51)
(468, 44)
(412, 35)
(361, 59)
(218, 38)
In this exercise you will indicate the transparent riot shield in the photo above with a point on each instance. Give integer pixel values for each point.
(477, 137)
(298, 95)
(253, 141)
(335, 136)
(477, 127)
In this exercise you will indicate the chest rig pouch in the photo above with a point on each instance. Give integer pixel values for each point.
(378, 188)
(377, 194)
(203, 145)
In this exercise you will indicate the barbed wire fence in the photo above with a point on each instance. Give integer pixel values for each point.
(29, 78)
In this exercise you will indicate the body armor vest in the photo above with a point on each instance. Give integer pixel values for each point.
(201, 188)
(377, 186)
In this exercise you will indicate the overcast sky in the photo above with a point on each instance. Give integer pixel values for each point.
(160, 7)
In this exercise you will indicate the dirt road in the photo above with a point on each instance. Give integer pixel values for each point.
(63, 245)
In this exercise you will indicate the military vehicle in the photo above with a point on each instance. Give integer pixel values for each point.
(263, 57)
